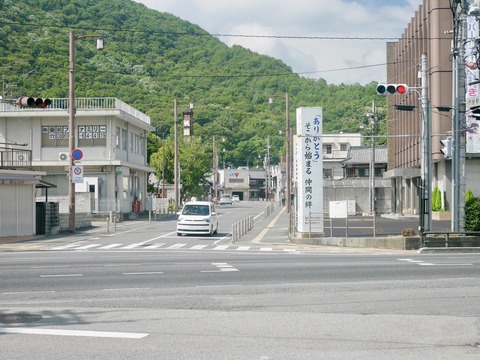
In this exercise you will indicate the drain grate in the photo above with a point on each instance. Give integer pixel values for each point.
(19, 318)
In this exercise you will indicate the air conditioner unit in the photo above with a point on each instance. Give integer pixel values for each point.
(22, 157)
(63, 156)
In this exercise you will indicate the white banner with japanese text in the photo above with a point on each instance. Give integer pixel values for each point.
(310, 170)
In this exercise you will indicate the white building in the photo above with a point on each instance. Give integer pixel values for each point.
(335, 150)
(112, 137)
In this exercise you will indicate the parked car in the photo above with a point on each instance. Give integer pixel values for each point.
(225, 199)
(235, 198)
(197, 217)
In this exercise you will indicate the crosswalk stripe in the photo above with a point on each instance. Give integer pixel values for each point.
(266, 249)
(154, 246)
(243, 248)
(87, 246)
(176, 246)
(63, 247)
(132, 246)
(198, 247)
(221, 247)
(111, 246)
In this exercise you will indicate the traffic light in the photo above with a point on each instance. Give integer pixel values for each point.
(446, 149)
(392, 89)
(32, 102)
(188, 121)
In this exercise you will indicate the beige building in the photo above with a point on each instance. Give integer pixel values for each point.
(424, 35)
(110, 134)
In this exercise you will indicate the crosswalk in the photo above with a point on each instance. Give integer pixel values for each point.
(164, 246)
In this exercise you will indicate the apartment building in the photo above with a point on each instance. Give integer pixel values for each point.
(110, 134)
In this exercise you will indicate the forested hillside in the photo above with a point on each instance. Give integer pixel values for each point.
(150, 58)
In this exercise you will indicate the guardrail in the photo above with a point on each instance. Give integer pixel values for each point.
(240, 228)
(347, 223)
(458, 237)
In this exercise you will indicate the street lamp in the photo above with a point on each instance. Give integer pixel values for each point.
(288, 170)
(71, 123)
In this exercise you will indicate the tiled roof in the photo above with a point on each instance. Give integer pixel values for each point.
(363, 154)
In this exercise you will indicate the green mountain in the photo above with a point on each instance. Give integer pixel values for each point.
(150, 58)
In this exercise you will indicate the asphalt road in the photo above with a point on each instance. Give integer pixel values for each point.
(220, 304)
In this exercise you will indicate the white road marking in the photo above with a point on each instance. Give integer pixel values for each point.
(63, 247)
(56, 332)
(87, 246)
(176, 246)
(111, 246)
(423, 263)
(132, 246)
(61, 275)
(126, 289)
(144, 273)
(198, 247)
(154, 246)
(266, 249)
(221, 247)
(243, 248)
(28, 292)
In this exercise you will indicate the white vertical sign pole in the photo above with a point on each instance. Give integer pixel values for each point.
(310, 170)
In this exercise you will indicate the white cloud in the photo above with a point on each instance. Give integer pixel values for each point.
(320, 18)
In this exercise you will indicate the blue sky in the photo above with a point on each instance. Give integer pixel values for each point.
(341, 59)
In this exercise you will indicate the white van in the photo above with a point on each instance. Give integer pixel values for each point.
(197, 217)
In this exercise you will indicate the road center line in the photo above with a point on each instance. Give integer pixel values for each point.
(56, 332)
(144, 273)
(61, 275)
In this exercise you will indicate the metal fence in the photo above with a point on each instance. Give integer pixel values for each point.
(81, 104)
(15, 158)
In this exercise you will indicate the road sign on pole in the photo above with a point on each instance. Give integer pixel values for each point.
(77, 174)
(77, 154)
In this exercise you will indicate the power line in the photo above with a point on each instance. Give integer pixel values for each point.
(295, 37)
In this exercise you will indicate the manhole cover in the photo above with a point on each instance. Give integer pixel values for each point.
(19, 318)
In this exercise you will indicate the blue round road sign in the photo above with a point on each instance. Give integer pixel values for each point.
(77, 154)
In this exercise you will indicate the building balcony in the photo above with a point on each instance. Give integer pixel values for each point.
(15, 158)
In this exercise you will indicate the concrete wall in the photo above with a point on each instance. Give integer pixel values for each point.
(83, 210)
(361, 195)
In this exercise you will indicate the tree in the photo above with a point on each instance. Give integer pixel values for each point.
(195, 164)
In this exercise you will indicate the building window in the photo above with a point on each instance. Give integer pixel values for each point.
(117, 138)
(92, 135)
(343, 147)
(124, 139)
(327, 149)
(55, 135)
(359, 172)
(327, 173)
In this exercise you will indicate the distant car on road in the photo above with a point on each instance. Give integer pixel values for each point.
(235, 198)
(197, 217)
(225, 199)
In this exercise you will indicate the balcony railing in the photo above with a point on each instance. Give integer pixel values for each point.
(15, 158)
(80, 104)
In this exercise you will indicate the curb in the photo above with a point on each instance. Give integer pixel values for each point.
(458, 250)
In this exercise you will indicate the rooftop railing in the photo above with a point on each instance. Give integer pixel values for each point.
(80, 104)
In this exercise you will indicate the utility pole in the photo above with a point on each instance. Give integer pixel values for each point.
(426, 166)
(215, 171)
(459, 123)
(175, 170)
(373, 124)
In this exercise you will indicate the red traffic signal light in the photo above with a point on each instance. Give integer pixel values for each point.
(27, 101)
(391, 89)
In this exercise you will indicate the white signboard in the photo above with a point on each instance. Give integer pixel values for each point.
(77, 174)
(473, 91)
(338, 209)
(310, 170)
